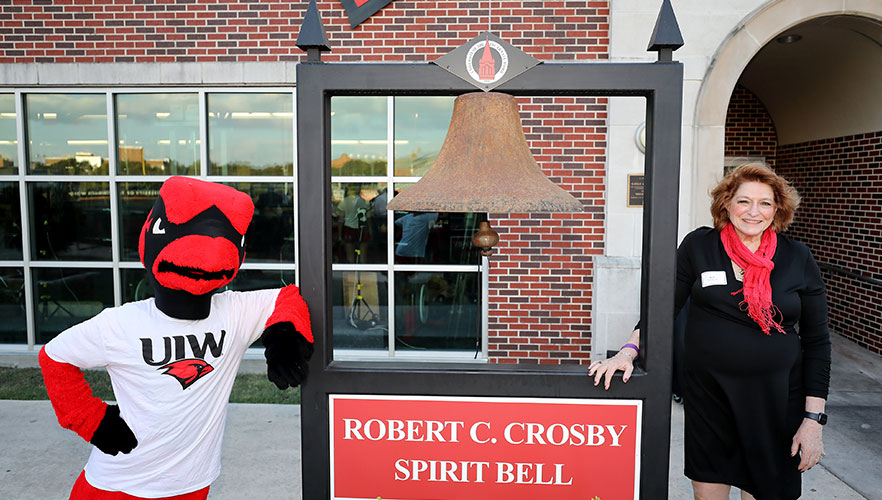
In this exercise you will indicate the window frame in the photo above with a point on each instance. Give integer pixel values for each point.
(28, 263)
(113, 178)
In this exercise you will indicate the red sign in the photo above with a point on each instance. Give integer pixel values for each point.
(429, 447)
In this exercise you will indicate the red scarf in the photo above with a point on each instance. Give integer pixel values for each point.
(757, 269)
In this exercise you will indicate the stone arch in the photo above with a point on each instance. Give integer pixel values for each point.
(728, 63)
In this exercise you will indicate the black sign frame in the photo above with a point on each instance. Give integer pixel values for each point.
(660, 83)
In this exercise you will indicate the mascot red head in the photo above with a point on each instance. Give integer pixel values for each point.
(193, 243)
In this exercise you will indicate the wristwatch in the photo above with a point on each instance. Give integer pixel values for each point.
(820, 418)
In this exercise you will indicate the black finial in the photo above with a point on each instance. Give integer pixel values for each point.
(666, 37)
(312, 37)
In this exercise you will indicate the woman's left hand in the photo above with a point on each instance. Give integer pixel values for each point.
(809, 443)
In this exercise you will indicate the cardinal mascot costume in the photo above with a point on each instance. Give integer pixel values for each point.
(172, 359)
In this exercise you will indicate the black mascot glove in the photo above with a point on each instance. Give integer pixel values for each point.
(287, 353)
(113, 434)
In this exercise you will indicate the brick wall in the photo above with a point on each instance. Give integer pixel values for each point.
(840, 180)
(266, 30)
(541, 277)
(749, 128)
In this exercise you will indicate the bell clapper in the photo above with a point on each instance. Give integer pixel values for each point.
(485, 238)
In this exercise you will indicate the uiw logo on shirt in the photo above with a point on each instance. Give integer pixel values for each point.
(185, 370)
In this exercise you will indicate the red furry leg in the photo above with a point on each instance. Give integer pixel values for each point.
(290, 306)
(82, 490)
(71, 397)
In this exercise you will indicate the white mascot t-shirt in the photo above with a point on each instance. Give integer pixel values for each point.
(172, 379)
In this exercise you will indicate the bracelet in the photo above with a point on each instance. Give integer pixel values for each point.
(632, 346)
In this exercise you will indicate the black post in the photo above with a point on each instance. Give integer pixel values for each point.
(314, 206)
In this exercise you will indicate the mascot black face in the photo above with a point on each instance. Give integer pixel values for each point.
(194, 238)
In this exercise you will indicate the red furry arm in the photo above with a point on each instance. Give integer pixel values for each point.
(71, 397)
(291, 307)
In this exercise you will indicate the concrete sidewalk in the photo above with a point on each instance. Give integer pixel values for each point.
(40, 460)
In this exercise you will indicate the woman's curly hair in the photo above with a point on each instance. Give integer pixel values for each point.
(786, 197)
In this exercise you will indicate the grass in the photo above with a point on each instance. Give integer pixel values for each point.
(27, 384)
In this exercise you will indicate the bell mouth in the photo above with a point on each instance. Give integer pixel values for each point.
(197, 264)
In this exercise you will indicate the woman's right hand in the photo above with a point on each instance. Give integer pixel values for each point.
(623, 360)
(608, 367)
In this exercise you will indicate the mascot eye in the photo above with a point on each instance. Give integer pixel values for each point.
(156, 228)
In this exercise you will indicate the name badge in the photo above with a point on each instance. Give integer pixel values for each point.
(713, 278)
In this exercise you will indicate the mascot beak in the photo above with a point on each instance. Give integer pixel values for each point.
(197, 264)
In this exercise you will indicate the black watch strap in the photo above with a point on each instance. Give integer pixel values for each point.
(820, 418)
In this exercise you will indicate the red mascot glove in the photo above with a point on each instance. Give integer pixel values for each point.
(77, 410)
(287, 338)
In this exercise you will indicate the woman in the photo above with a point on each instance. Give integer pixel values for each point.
(756, 383)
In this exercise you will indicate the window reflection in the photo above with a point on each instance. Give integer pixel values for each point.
(65, 297)
(250, 134)
(158, 134)
(435, 310)
(260, 279)
(10, 222)
(358, 136)
(420, 128)
(412, 236)
(270, 236)
(135, 201)
(8, 136)
(67, 134)
(435, 238)
(13, 328)
(358, 223)
(135, 285)
(70, 221)
(360, 309)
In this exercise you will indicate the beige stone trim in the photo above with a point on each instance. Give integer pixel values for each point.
(116, 74)
(727, 64)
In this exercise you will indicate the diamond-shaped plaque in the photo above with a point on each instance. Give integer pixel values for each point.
(486, 61)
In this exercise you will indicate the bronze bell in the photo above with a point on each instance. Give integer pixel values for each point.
(485, 165)
(485, 238)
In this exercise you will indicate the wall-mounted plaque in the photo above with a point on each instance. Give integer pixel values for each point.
(635, 190)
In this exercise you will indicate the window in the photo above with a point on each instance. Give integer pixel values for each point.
(67, 134)
(65, 296)
(359, 136)
(404, 284)
(10, 222)
(84, 203)
(250, 134)
(270, 236)
(135, 201)
(8, 139)
(70, 221)
(13, 329)
(157, 134)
